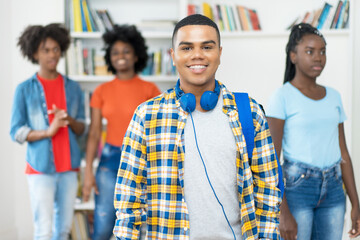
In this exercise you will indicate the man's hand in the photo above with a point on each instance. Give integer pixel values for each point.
(60, 120)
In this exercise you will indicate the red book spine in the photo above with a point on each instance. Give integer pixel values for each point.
(254, 19)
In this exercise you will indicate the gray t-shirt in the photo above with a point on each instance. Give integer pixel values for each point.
(217, 146)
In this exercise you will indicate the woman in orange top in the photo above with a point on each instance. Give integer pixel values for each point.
(126, 55)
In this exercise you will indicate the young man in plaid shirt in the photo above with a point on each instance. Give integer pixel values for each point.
(185, 171)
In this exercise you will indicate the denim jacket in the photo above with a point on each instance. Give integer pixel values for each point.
(29, 112)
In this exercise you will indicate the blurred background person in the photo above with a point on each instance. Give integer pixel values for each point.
(48, 113)
(126, 55)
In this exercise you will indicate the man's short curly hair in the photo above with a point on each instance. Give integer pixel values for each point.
(127, 34)
(34, 35)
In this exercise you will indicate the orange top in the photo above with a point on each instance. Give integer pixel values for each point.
(117, 101)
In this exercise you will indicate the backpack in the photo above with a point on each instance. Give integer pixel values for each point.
(246, 120)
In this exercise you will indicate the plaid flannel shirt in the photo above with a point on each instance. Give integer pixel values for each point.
(150, 183)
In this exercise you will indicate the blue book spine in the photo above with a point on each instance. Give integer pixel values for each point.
(341, 16)
(83, 21)
(324, 15)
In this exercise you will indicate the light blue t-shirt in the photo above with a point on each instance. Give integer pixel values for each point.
(311, 133)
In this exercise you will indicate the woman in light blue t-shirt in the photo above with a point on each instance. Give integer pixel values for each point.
(306, 122)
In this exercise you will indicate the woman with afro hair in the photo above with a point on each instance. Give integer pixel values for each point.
(48, 113)
(116, 101)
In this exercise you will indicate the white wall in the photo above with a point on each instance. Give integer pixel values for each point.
(356, 95)
(15, 218)
(7, 179)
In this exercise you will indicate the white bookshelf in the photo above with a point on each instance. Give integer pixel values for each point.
(99, 79)
(146, 34)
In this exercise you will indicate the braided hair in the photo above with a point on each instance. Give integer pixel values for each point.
(298, 31)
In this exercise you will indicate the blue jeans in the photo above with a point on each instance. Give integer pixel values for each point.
(106, 174)
(316, 199)
(52, 199)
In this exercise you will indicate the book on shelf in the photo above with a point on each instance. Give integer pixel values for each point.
(105, 18)
(339, 24)
(71, 67)
(243, 18)
(323, 15)
(88, 18)
(307, 17)
(228, 17)
(79, 57)
(81, 226)
(82, 60)
(346, 15)
(248, 18)
(254, 19)
(327, 17)
(99, 25)
(100, 67)
(191, 9)
(83, 19)
(235, 17)
(68, 15)
(218, 17)
(207, 10)
(159, 63)
(76, 16)
(225, 18)
(85, 54)
(80, 17)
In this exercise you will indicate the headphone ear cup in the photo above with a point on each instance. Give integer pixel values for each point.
(208, 100)
(188, 102)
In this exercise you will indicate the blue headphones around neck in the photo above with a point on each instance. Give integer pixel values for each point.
(187, 101)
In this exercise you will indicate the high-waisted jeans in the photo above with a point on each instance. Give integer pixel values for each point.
(316, 199)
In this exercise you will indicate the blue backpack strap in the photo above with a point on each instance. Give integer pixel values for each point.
(247, 124)
(246, 120)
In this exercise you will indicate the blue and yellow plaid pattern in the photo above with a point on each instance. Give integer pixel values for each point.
(150, 183)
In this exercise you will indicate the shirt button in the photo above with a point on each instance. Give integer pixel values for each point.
(185, 229)
(183, 200)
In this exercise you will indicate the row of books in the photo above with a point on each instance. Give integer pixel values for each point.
(327, 17)
(228, 17)
(89, 61)
(159, 63)
(82, 18)
(85, 61)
